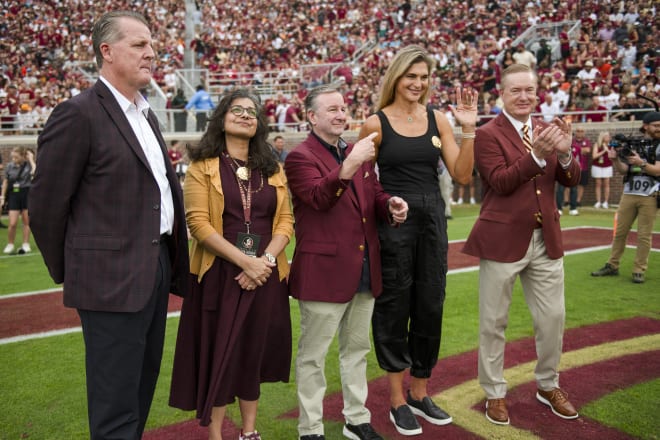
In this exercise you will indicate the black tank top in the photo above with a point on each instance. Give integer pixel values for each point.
(408, 165)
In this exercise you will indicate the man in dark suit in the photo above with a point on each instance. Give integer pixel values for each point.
(518, 234)
(335, 273)
(107, 214)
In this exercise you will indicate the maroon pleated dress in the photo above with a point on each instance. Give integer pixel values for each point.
(231, 340)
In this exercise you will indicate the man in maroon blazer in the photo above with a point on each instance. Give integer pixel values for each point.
(107, 215)
(335, 274)
(518, 234)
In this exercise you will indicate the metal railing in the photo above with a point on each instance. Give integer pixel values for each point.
(28, 126)
(547, 31)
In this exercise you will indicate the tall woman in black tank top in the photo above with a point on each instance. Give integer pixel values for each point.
(407, 318)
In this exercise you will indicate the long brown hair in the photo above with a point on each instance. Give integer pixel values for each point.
(213, 142)
(400, 64)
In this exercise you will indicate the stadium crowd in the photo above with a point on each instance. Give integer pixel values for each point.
(45, 48)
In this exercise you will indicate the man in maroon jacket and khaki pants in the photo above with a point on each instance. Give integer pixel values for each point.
(517, 234)
(335, 274)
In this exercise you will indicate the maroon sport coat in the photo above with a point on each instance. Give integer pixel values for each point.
(515, 189)
(95, 206)
(333, 222)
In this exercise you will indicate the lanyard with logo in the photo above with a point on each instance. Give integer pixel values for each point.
(247, 242)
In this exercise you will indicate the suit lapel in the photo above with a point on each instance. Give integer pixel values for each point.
(329, 162)
(509, 131)
(169, 170)
(118, 117)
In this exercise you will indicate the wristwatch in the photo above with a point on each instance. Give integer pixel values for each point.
(269, 257)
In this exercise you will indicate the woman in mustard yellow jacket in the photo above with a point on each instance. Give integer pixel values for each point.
(235, 328)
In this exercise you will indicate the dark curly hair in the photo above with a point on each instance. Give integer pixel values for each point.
(213, 142)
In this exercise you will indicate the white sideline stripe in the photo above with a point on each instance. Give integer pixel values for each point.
(178, 313)
(60, 332)
(36, 292)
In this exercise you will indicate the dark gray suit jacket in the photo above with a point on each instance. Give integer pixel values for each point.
(95, 206)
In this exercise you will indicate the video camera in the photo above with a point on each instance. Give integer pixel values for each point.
(626, 145)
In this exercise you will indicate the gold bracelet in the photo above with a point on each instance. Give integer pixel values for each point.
(468, 135)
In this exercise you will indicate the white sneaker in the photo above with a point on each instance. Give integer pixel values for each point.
(472, 201)
(597, 205)
(459, 202)
(26, 248)
(560, 212)
(573, 212)
(9, 249)
(605, 205)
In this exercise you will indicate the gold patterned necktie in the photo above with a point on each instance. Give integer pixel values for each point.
(526, 139)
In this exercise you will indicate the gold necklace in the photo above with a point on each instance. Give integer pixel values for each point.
(242, 172)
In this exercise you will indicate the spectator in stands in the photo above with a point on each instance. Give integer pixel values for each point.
(26, 119)
(608, 98)
(588, 73)
(558, 95)
(619, 111)
(524, 56)
(281, 113)
(544, 56)
(9, 105)
(582, 99)
(508, 59)
(203, 104)
(549, 108)
(627, 54)
(16, 184)
(292, 115)
(176, 158)
(620, 34)
(178, 104)
(596, 111)
(490, 76)
(278, 149)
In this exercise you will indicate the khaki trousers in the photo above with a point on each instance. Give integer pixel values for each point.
(319, 323)
(542, 281)
(631, 207)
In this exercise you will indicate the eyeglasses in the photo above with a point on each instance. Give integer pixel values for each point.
(238, 110)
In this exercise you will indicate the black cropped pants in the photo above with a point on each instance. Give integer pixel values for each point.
(407, 318)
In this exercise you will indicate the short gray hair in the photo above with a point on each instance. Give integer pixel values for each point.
(106, 30)
(310, 99)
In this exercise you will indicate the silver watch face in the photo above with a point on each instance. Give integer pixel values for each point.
(270, 258)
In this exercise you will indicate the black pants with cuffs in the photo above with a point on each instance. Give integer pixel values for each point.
(407, 318)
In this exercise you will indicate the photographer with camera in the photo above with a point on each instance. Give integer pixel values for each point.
(636, 159)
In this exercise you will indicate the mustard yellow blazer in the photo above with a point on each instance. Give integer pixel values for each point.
(202, 195)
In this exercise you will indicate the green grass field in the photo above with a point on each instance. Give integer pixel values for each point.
(43, 380)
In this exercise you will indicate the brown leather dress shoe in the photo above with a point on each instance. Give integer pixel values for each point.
(496, 411)
(557, 400)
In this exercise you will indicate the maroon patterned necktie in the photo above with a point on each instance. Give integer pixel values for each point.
(526, 140)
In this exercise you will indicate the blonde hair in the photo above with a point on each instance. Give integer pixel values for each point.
(516, 68)
(601, 136)
(400, 64)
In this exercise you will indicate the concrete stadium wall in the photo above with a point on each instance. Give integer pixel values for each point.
(292, 139)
